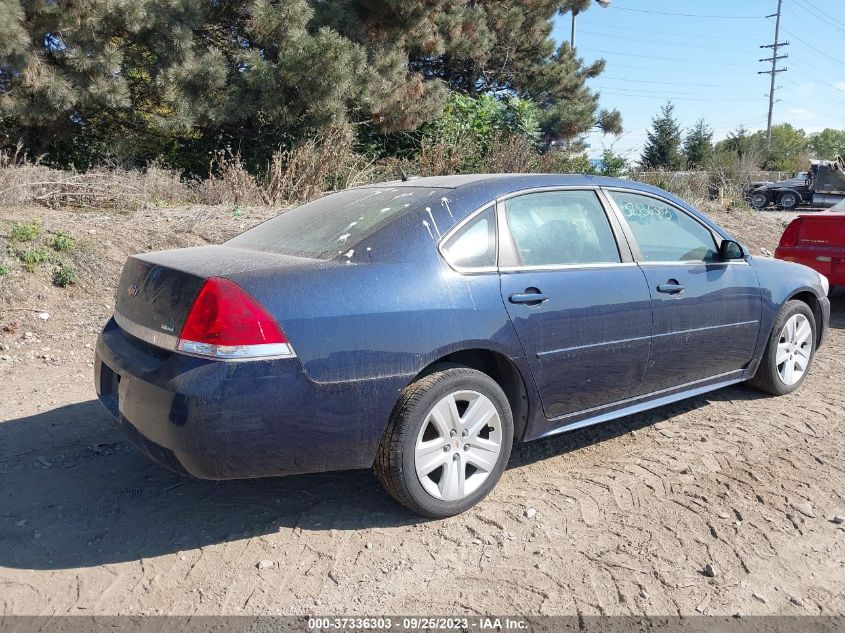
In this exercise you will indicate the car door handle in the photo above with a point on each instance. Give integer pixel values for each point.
(671, 288)
(528, 297)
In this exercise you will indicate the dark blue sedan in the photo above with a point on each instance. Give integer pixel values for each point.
(421, 327)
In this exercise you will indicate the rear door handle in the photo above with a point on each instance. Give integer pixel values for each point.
(671, 288)
(528, 297)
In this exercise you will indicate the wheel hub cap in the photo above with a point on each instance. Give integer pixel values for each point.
(794, 349)
(458, 445)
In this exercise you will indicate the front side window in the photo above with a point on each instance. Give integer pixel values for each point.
(663, 232)
(560, 228)
(474, 244)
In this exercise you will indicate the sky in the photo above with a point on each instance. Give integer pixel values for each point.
(703, 55)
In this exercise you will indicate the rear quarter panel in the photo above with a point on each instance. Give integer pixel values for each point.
(364, 326)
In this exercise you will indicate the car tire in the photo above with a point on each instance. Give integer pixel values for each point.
(790, 343)
(789, 201)
(427, 459)
(759, 200)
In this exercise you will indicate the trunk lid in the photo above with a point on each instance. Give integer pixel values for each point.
(156, 290)
(822, 230)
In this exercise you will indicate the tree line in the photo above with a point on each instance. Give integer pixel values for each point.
(669, 147)
(175, 81)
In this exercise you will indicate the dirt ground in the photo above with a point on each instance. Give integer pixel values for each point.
(621, 518)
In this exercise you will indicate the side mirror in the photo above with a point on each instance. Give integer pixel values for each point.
(730, 250)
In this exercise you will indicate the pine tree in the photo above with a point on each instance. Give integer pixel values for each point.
(179, 78)
(662, 150)
(698, 145)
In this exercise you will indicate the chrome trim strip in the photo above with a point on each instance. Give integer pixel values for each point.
(592, 345)
(646, 396)
(146, 334)
(646, 401)
(262, 351)
(578, 348)
(706, 329)
(203, 350)
(548, 188)
(695, 262)
(512, 269)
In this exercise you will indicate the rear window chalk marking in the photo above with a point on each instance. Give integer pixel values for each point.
(428, 210)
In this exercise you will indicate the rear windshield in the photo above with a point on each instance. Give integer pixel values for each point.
(332, 225)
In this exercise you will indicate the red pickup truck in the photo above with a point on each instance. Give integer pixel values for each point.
(817, 240)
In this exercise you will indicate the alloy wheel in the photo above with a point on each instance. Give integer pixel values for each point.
(458, 445)
(794, 349)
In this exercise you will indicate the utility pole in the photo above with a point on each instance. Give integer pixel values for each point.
(774, 71)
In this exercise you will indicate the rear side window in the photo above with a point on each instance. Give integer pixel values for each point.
(474, 244)
(561, 227)
(332, 225)
(663, 232)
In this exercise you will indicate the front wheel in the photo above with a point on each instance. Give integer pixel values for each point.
(759, 200)
(789, 351)
(447, 443)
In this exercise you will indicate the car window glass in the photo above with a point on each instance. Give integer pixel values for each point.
(474, 244)
(663, 232)
(561, 227)
(333, 225)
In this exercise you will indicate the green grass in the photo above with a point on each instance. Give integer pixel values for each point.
(63, 274)
(25, 232)
(3, 271)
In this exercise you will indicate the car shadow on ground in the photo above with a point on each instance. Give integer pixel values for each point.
(74, 493)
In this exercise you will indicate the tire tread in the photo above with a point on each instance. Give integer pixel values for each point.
(388, 462)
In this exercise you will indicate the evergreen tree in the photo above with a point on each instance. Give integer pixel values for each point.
(698, 145)
(662, 149)
(738, 142)
(178, 78)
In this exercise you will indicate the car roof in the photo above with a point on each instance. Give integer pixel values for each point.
(500, 184)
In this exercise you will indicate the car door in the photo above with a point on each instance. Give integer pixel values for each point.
(580, 305)
(706, 311)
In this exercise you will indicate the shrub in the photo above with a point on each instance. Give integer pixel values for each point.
(62, 242)
(32, 257)
(3, 271)
(25, 232)
(63, 274)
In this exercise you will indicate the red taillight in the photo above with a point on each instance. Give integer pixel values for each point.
(791, 234)
(226, 322)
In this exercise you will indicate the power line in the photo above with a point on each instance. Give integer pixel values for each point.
(598, 50)
(709, 38)
(817, 50)
(685, 70)
(664, 42)
(699, 92)
(670, 83)
(821, 14)
(617, 92)
(823, 20)
(692, 15)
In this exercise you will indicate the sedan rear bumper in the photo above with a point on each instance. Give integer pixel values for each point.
(223, 419)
